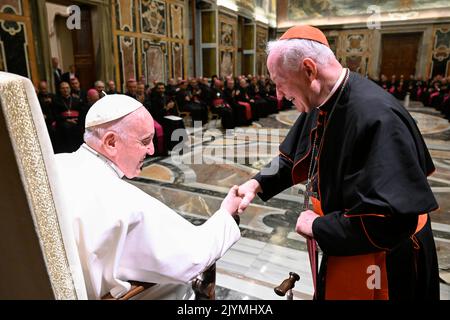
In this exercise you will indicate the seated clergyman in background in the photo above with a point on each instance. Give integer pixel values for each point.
(122, 233)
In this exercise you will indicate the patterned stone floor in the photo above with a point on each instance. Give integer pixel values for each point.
(195, 184)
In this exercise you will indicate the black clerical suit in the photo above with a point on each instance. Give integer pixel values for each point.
(371, 186)
(69, 133)
(159, 110)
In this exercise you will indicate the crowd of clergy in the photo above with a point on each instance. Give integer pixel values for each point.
(235, 101)
(195, 101)
(434, 92)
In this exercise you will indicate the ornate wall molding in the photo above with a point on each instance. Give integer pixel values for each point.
(17, 52)
(159, 41)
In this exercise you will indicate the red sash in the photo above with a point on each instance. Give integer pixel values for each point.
(248, 109)
(419, 93)
(160, 136)
(70, 114)
(220, 102)
(434, 94)
(279, 104)
(353, 277)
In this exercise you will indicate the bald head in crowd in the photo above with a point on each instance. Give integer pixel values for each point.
(92, 96)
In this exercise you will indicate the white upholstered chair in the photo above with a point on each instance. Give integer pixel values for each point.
(48, 266)
(39, 254)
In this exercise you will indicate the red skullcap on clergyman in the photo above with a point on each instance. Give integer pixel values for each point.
(305, 32)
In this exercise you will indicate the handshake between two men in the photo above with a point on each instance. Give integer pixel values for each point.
(239, 198)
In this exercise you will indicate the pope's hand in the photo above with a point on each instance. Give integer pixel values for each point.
(248, 191)
(304, 223)
(232, 201)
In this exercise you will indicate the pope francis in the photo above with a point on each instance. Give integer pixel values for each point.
(123, 234)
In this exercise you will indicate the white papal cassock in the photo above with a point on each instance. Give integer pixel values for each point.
(124, 234)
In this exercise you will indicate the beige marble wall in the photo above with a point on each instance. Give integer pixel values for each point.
(353, 48)
(261, 42)
(440, 47)
(227, 44)
(102, 36)
(158, 28)
(368, 45)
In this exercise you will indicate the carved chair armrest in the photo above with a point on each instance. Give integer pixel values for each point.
(136, 288)
(204, 286)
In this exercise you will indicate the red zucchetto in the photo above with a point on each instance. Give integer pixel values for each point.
(305, 32)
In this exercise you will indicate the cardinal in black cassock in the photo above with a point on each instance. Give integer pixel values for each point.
(367, 166)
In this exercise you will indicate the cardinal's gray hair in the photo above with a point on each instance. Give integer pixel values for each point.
(293, 51)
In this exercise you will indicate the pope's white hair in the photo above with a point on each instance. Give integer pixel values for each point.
(293, 51)
(94, 135)
(122, 126)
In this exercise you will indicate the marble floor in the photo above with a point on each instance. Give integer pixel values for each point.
(213, 160)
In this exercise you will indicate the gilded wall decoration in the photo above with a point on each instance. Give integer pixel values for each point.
(440, 64)
(226, 34)
(354, 51)
(351, 48)
(226, 63)
(442, 39)
(11, 6)
(261, 39)
(177, 61)
(153, 17)
(176, 18)
(142, 54)
(354, 63)
(125, 17)
(17, 53)
(127, 56)
(227, 44)
(12, 27)
(262, 35)
(355, 44)
(261, 65)
(333, 42)
(440, 54)
(154, 61)
(14, 45)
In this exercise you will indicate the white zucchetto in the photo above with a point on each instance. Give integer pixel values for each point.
(109, 108)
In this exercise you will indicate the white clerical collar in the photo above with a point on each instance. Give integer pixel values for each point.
(336, 86)
(106, 160)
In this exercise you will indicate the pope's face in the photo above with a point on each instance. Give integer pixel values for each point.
(134, 145)
(290, 84)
